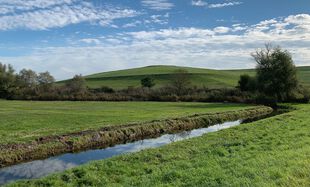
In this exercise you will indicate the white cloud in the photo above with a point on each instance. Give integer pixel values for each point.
(57, 13)
(202, 3)
(222, 5)
(221, 48)
(221, 30)
(132, 24)
(157, 4)
(172, 33)
(199, 3)
(12, 6)
(158, 19)
(239, 27)
(91, 41)
(302, 22)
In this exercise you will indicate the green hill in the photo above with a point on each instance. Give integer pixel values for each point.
(163, 74)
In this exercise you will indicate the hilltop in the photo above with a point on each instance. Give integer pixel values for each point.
(163, 74)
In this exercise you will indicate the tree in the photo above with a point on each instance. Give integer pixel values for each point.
(46, 81)
(181, 80)
(45, 78)
(27, 78)
(7, 80)
(276, 72)
(76, 85)
(147, 82)
(26, 83)
(247, 83)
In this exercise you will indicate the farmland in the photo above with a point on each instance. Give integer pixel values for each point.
(270, 152)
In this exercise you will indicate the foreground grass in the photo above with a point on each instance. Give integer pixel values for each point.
(269, 152)
(22, 121)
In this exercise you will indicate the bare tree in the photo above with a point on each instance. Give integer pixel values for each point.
(181, 81)
(76, 85)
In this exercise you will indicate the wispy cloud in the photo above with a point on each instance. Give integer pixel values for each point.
(199, 3)
(156, 19)
(45, 14)
(157, 4)
(13, 6)
(203, 3)
(90, 41)
(222, 5)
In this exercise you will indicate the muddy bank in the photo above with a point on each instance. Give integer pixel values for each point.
(53, 145)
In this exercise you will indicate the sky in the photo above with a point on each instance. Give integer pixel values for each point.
(68, 37)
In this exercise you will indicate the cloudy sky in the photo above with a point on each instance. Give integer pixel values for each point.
(68, 37)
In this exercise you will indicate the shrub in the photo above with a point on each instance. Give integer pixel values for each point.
(147, 82)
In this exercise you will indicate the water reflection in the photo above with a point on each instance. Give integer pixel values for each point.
(40, 168)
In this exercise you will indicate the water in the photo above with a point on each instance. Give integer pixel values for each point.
(41, 168)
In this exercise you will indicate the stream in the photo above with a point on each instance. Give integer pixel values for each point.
(40, 168)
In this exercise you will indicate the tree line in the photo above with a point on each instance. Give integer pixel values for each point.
(29, 85)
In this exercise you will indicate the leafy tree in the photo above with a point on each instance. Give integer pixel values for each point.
(45, 78)
(247, 83)
(46, 81)
(181, 81)
(77, 84)
(7, 80)
(27, 78)
(26, 84)
(147, 82)
(276, 72)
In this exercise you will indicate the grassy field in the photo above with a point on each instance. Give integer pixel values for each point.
(269, 152)
(163, 75)
(22, 121)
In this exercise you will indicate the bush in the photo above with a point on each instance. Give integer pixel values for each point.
(102, 89)
(147, 82)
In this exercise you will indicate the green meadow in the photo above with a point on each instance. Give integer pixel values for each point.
(163, 74)
(22, 121)
(269, 152)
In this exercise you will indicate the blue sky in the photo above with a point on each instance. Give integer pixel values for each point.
(68, 37)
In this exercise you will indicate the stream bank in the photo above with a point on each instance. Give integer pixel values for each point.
(46, 147)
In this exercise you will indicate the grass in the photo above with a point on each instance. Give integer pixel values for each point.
(112, 135)
(269, 152)
(163, 74)
(24, 121)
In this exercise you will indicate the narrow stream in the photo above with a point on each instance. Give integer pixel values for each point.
(41, 168)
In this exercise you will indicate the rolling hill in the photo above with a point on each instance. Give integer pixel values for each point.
(163, 74)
